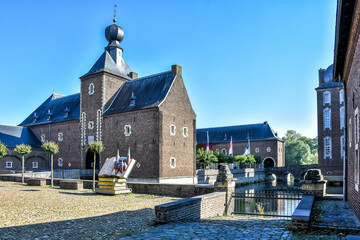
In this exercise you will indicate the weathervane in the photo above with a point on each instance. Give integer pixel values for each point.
(115, 13)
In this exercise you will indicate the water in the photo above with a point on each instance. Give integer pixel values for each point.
(268, 198)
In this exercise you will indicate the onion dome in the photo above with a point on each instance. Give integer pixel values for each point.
(114, 33)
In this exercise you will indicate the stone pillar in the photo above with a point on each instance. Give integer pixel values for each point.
(225, 182)
(314, 183)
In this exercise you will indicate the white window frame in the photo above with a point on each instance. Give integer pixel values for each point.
(327, 155)
(342, 146)
(35, 165)
(268, 149)
(171, 128)
(185, 131)
(9, 164)
(60, 162)
(224, 151)
(91, 89)
(60, 137)
(91, 125)
(342, 117)
(257, 150)
(350, 132)
(356, 170)
(172, 162)
(127, 130)
(356, 128)
(42, 138)
(327, 121)
(326, 98)
(341, 96)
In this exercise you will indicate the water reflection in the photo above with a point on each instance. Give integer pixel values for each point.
(272, 186)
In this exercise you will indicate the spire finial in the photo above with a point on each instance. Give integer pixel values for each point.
(115, 13)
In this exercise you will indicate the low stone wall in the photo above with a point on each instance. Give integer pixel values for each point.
(190, 209)
(243, 175)
(176, 190)
(301, 216)
(71, 184)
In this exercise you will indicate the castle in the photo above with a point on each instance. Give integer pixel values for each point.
(152, 115)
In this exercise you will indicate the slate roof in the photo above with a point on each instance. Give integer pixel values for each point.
(15, 135)
(149, 91)
(328, 74)
(57, 104)
(239, 133)
(107, 64)
(330, 85)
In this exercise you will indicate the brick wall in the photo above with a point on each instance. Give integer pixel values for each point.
(194, 208)
(35, 156)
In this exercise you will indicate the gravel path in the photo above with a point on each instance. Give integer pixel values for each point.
(28, 212)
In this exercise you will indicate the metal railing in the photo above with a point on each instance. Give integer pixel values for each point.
(266, 203)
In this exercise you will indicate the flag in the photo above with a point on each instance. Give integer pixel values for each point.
(231, 147)
(117, 155)
(128, 157)
(207, 141)
(247, 149)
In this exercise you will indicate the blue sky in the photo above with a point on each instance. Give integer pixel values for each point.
(243, 61)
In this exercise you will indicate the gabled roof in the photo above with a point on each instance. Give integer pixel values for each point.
(330, 85)
(149, 91)
(57, 104)
(240, 133)
(15, 135)
(107, 64)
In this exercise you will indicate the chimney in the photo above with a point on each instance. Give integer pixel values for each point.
(265, 123)
(133, 75)
(176, 69)
(321, 76)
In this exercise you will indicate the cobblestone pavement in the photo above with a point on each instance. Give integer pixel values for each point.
(234, 227)
(334, 214)
(28, 212)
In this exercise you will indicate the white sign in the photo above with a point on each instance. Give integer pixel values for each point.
(90, 139)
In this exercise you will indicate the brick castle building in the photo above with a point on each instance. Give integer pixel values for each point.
(263, 141)
(347, 71)
(331, 125)
(152, 115)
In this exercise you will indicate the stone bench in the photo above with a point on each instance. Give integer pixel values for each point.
(71, 184)
(36, 182)
(301, 216)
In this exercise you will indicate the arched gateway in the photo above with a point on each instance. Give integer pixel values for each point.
(90, 160)
(269, 163)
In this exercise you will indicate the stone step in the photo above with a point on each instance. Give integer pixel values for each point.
(112, 191)
(112, 187)
(110, 179)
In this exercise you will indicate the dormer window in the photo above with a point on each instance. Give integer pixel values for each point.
(35, 117)
(49, 115)
(91, 89)
(132, 100)
(67, 111)
(225, 137)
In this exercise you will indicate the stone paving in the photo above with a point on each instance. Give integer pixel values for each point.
(334, 214)
(234, 227)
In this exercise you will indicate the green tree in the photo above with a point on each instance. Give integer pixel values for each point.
(52, 148)
(205, 157)
(258, 158)
(240, 158)
(291, 135)
(297, 153)
(250, 159)
(3, 150)
(96, 148)
(22, 149)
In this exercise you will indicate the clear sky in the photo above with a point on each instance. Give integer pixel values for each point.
(243, 61)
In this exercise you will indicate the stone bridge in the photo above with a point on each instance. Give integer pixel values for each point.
(282, 173)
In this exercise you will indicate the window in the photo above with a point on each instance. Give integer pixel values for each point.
(172, 162)
(327, 147)
(342, 146)
(8, 164)
(268, 149)
(91, 89)
(327, 118)
(341, 96)
(127, 130)
(342, 117)
(356, 170)
(42, 138)
(356, 128)
(172, 129)
(350, 132)
(60, 137)
(60, 162)
(224, 151)
(35, 164)
(326, 97)
(185, 131)
(91, 125)
(257, 150)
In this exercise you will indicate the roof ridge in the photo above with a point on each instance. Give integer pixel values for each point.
(250, 124)
(147, 77)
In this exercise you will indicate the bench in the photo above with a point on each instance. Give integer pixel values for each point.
(36, 182)
(71, 184)
(301, 216)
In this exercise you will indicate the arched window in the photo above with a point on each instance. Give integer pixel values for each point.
(60, 137)
(327, 118)
(326, 97)
(224, 151)
(327, 147)
(172, 162)
(91, 89)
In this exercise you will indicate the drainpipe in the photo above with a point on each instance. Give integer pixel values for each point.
(345, 150)
(49, 141)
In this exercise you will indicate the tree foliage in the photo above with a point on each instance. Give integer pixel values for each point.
(250, 159)
(300, 150)
(224, 158)
(205, 157)
(3, 150)
(96, 147)
(23, 149)
(50, 147)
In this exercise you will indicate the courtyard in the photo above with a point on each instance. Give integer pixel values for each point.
(28, 212)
